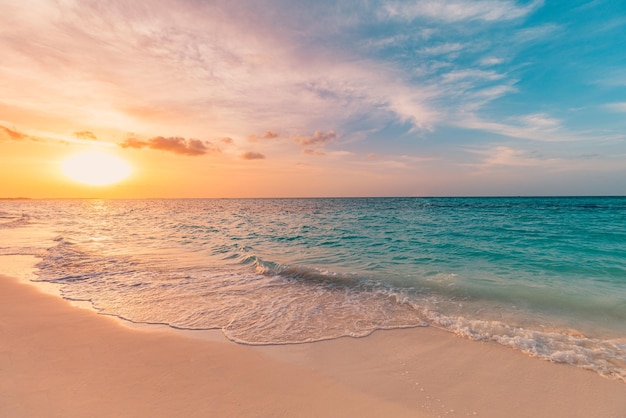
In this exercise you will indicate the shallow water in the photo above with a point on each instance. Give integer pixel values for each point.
(543, 275)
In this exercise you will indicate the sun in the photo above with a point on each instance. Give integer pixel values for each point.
(96, 168)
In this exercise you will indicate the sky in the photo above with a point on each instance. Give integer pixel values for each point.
(289, 98)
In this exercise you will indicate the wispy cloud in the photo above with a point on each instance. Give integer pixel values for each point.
(237, 82)
(536, 127)
(615, 77)
(535, 33)
(441, 49)
(490, 61)
(471, 74)
(457, 10)
(176, 145)
(619, 107)
(246, 80)
(504, 156)
(501, 158)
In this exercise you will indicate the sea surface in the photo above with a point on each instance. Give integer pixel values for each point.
(546, 276)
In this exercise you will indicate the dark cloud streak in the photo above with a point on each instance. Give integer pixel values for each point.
(12, 134)
(176, 145)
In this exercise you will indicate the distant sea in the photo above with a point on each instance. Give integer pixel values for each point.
(546, 276)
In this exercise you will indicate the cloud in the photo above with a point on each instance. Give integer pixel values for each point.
(176, 145)
(536, 127)
(309, 151)
(251, 155)
(86, 135)
(504, 156)
(471, 74)
(270, 135)
(538, 122)
(318, 138)
(536, 33)
(133, 142)
(267, 135)
(619, 107)
(459, 10)
(442, 49)
(306, 68)
(613, 78)
(489, 61)
(226, 140)
(252, 70)
(12, 134)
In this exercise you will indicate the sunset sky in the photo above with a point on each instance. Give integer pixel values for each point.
(290, 98)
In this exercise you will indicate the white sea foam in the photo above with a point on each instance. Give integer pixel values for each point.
(606, 357)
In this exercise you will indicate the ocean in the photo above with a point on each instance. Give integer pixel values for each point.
(546, 276)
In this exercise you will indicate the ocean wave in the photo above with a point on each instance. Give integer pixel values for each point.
(303, 273)
(269, 303)
(16, 221)
(606, 357)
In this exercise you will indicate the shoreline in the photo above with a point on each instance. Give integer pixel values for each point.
(60, 360)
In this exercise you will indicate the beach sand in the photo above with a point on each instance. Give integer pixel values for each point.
(58, 360)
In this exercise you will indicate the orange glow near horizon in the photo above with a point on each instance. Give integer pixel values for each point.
(96, 168)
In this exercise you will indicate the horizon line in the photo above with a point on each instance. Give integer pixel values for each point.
(319, 197)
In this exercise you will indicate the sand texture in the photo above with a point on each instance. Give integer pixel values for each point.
(57, 360)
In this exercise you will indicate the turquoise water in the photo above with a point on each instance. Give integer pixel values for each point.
(546, 276)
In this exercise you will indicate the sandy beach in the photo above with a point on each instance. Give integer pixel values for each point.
(58, 360)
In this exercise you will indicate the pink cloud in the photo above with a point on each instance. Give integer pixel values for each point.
(267, 135)
(271, 135)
